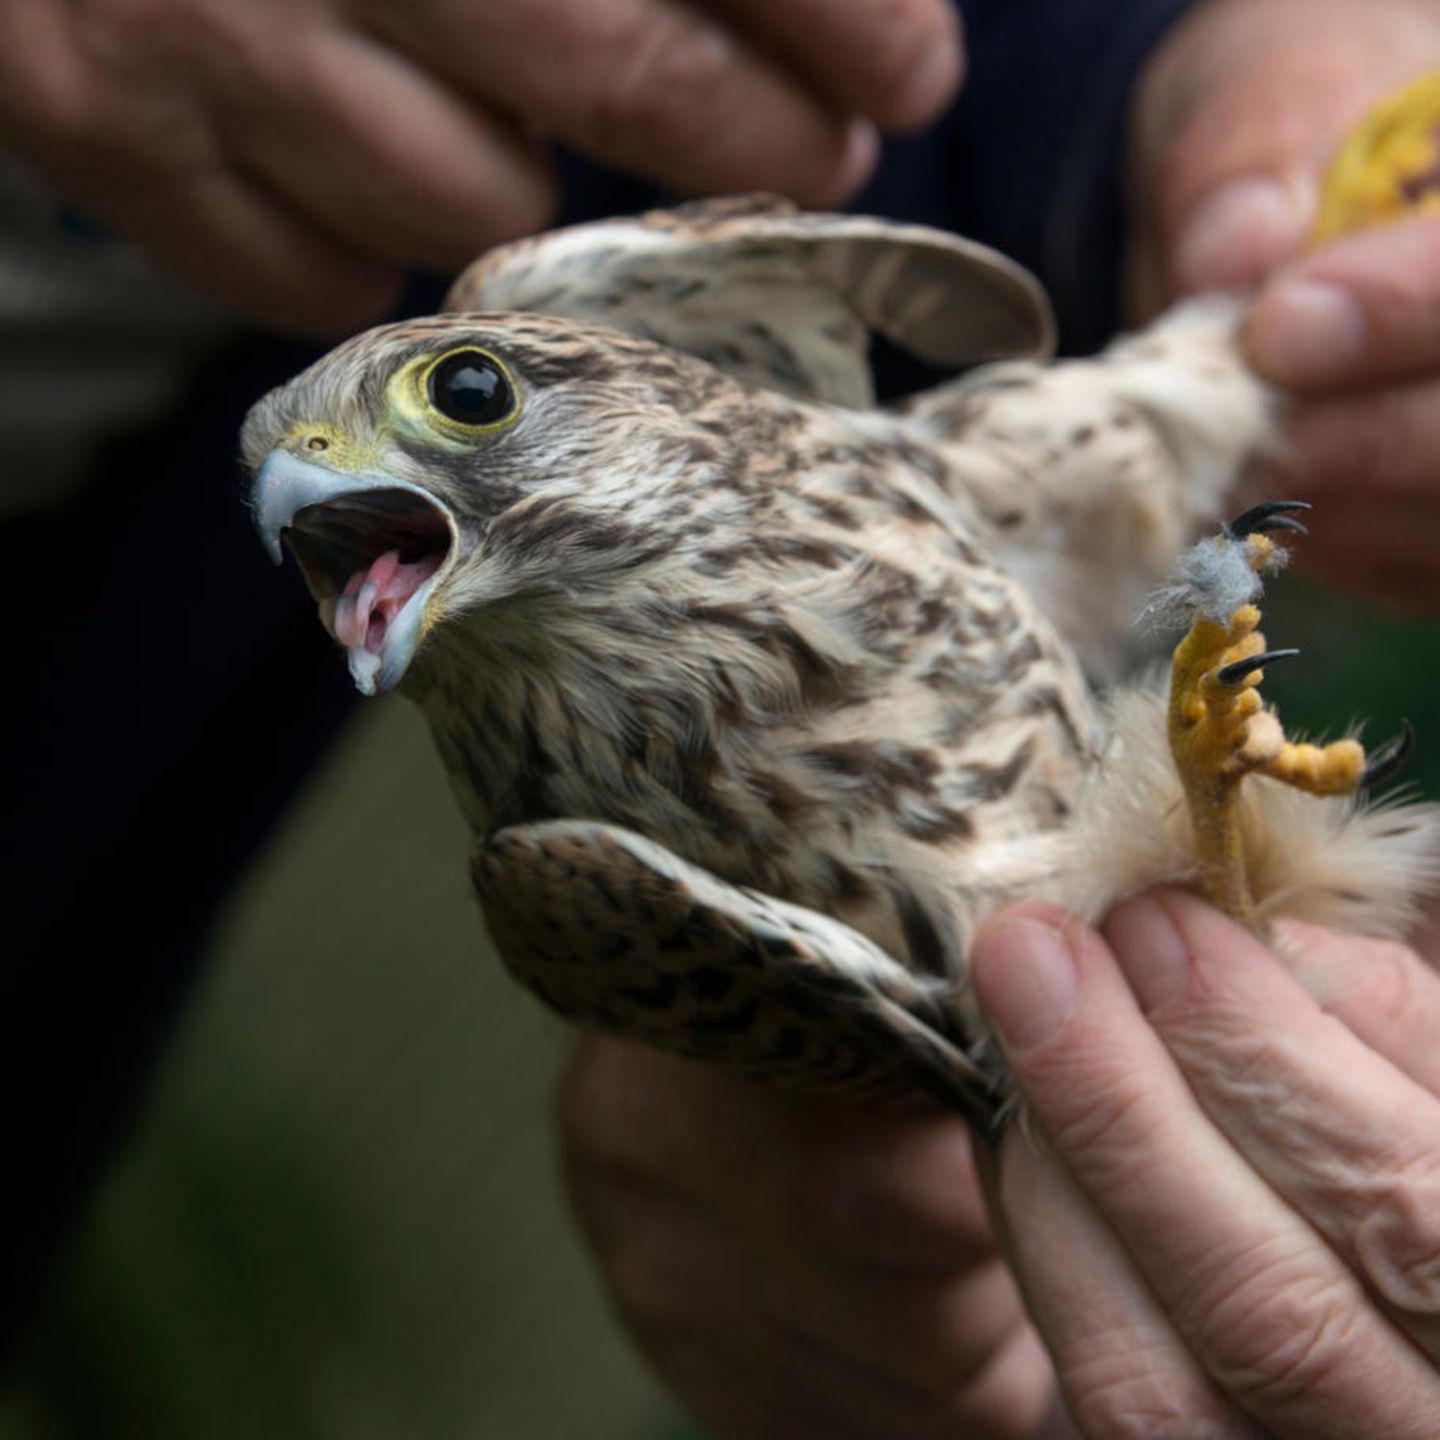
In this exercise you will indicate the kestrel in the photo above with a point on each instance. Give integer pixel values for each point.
(759, 697)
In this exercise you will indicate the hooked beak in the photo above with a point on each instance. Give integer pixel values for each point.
(372, 549)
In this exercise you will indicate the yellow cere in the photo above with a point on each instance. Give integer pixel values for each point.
(1389, 166)
(324, 444)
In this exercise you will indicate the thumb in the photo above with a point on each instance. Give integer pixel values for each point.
(1237, 117)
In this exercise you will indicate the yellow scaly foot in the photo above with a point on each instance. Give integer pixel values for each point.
(1219, 728)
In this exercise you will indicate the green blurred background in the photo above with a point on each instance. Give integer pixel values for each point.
(339, 1214)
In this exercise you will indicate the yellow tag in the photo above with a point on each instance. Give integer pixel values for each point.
(1389, 166)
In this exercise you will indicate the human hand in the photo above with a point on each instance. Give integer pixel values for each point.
(292, 157)
(1237, 116)
(1225, 1208)
(795, 1268)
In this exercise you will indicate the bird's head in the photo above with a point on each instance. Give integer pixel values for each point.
(426, 470)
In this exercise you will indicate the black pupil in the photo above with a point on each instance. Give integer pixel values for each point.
(471, 389)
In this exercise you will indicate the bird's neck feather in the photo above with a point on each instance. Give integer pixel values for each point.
(618, 704)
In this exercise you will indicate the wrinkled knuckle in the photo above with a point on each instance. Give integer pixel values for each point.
(666, 89)
(1288, 1343)
(1131, 1391)
(1391, 982)
(1397, 1242)
(1121, 1414)
(1115, 1130)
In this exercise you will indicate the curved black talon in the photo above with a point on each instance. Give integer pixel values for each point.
(1388, 759)
(1237, 670)
(1269, 516)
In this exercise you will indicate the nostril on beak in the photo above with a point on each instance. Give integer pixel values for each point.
(317, 442)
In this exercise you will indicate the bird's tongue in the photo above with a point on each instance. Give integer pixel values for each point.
(372, 598)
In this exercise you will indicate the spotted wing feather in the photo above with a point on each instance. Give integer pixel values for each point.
(777, 297)
(615, 931)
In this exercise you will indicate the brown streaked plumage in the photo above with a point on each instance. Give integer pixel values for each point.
(756, 697)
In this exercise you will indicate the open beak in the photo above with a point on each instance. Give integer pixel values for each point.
(372, 549)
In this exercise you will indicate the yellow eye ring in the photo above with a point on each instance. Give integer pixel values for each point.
(471, 391)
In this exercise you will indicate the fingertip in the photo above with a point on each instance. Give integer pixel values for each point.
(820, 170)
(1198, 921)
(1337, 969)
(1236, 235)
(1023, 965)
(1169, 940)
(1306, 333)
(857, 156)
(930, 81)
(1149, 948)
(898, 64)
(1042, 912)
(1359, 311)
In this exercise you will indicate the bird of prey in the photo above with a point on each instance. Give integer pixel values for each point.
(759, 697)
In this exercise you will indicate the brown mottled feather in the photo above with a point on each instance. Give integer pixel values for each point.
(728, 976)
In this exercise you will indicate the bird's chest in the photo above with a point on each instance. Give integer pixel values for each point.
(623, 736)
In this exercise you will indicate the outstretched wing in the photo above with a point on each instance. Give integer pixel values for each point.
(617, 932)
(775, 296)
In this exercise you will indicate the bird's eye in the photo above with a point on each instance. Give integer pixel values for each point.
(471, 388)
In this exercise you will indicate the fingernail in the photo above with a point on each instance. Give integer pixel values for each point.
(1306, 332)
(1026, 981)
(929, 86)
(862, 149)
(1150, 949)
(1239, 232)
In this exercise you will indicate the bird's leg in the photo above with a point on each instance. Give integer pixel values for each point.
(1219, 728)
